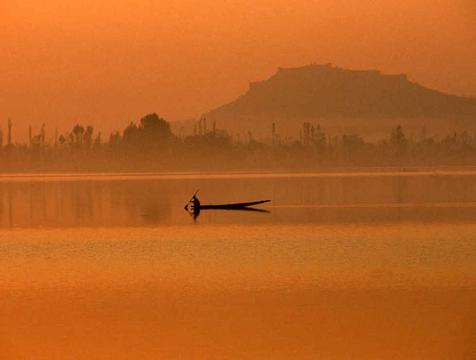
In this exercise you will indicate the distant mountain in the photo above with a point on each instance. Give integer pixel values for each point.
(363, 101)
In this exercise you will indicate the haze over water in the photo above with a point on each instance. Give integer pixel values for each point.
(374, 265)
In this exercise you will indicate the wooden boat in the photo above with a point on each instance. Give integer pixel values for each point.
(194, 206)
(235, 206)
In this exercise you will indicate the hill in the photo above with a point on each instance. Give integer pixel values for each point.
(341, 100)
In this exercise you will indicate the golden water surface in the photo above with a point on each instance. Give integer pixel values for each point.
(374, 266)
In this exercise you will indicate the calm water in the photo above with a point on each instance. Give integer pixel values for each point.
(341, 266)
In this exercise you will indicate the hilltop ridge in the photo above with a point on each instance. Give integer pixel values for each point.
(337, 97)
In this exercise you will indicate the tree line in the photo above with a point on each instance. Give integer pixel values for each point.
(150, 144)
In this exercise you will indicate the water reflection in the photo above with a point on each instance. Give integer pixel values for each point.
(239, 290)
(142, 201)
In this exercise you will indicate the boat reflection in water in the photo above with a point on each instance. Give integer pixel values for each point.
(194, 206)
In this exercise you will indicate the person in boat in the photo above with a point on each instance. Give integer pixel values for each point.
(194, 206)
(195, 203)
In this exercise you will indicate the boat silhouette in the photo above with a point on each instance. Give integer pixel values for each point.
(194, 206)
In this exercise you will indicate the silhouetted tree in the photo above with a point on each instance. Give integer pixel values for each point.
(97, 141)
(62, 139)
(88, 137)
(43, 135)
(10, 125)
(398, 142)
(78, 133)
(154, 128)
(318, 138)
(131, 134)
(273, 133)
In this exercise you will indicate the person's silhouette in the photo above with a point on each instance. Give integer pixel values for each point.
(195, 202)
(193, 206)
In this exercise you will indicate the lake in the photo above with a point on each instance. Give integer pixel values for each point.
(362, 265)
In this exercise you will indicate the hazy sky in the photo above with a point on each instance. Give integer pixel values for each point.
(108, 62)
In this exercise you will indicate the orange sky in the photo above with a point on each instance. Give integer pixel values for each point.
(108, 62)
